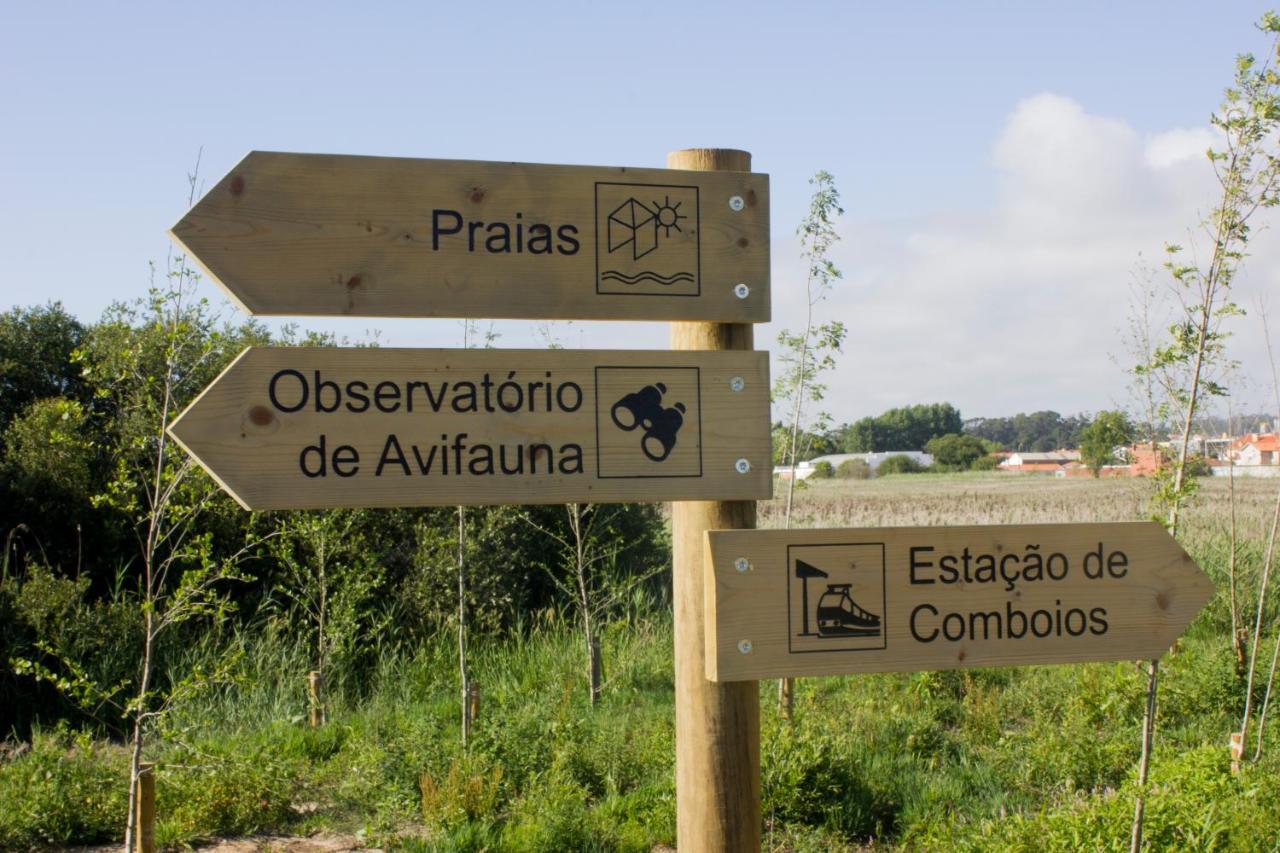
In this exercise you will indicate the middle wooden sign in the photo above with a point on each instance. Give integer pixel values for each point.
(313, 234)
(312, 428)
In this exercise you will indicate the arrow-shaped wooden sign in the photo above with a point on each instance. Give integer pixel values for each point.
(311, 234)
(828, 602)
(309, 428)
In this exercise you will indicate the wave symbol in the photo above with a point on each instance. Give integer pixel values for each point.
(667, 280)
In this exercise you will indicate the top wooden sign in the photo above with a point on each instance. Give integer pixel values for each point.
(328, 235)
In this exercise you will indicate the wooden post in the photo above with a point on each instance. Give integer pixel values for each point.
(597, 671)
(466, 711)
(1237, 750)
(473, 704)
(717, 724)
(144, 831)
(315, 687)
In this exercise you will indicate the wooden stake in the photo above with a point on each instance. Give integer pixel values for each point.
(145, 825)
(717, 724)
(1237, 750)
(473, 704)
(315, 687)
(466, 712)
(597, 671)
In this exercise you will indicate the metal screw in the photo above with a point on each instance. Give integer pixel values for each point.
(742, 466)
(737, 383)
(741, 291)
(742, 564)
(744, 646)
(736, 203)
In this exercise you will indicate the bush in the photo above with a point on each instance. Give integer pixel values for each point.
(985, 463)
(899, 464)
(65, 790)
(854, 469)
(823, 471)
(955, 452)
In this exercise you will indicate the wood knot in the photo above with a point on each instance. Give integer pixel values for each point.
(355, 281)
(237, 185)
(1162, 600)
(743, 242)
(477, 195)
(260, 415)
(751, 198)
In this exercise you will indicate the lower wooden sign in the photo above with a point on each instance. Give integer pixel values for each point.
(310, 428)
(827, 602)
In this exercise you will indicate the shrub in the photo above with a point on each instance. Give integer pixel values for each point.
(65, 790)
(985, 463)
(899, 464)
(823, 471)
(854, 469)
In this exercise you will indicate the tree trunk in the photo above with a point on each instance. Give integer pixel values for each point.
(1144, 763)
(139, 719)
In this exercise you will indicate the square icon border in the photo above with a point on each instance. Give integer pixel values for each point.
(697, 202)
(697, 384)
(884, 606)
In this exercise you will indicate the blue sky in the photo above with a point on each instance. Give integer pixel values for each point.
(944, 123)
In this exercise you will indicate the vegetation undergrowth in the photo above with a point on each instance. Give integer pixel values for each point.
(1025, 758)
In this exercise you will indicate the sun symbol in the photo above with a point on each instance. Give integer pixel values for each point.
(668, 214)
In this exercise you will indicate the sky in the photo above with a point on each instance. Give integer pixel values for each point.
(1006, 170)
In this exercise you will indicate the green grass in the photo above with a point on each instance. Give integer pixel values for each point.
(1019, 759)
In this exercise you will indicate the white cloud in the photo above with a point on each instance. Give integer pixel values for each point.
(1178, 146)
(1020, 306)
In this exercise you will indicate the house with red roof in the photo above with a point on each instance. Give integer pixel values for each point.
(1256, 449)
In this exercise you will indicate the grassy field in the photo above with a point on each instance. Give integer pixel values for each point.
(1011, 759)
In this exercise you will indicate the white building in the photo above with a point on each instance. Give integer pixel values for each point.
(873, 460)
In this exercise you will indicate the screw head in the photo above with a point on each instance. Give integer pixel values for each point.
(742, 466)
(736, 203)
(741, 291)
(737, 383)
(742, 564)
(744, 646)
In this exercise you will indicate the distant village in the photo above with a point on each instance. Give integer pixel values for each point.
(1255, 454)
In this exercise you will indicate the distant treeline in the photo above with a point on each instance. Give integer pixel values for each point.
(913, 427)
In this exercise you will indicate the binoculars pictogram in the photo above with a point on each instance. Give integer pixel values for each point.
(643, 409)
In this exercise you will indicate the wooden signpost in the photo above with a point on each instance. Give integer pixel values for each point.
(306, 428)
(829, 602)
(311, 234)
(303, 428)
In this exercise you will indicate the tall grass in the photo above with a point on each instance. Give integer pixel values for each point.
(1027, 758)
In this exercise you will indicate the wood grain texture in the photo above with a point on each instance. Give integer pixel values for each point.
(252, 440)
(312, 234)
(717, 725)
(1135, 608)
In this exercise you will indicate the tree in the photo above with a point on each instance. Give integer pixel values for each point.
(147, 361)
(595, 540)
(808, 354)
(956, 452)
(1247, 166)
(908, 428)
(1035, 432)
(327, 574)
(48, 458)
(35, 358)
(1108, 431)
